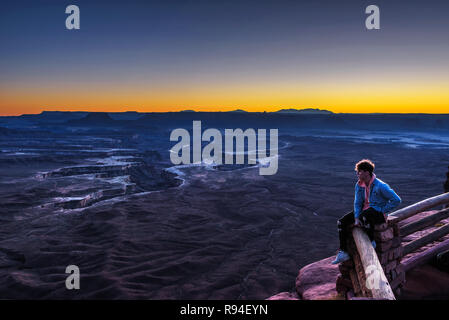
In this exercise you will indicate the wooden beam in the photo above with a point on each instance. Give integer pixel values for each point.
(360, 274)
(380, 288)
(428, 238)
(423, 205)
(424, 222)
(425, 256)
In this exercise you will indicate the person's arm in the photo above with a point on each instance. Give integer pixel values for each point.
(358, 203)
(393, 199)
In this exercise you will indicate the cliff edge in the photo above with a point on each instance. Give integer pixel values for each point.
(317, 281)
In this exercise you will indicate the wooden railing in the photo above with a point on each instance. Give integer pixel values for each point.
(418, 207)
(421, 224)
(372, 273)
(380, 287)
(386, 261)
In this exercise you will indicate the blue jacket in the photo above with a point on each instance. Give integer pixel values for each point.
(382, 198)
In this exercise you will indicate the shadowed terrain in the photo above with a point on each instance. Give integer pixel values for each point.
(99, 191)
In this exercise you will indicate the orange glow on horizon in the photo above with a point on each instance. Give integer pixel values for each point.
(347, 98)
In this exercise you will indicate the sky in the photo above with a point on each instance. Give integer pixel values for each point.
(157, 56)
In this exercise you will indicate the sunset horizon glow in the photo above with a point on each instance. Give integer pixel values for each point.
(221, 56)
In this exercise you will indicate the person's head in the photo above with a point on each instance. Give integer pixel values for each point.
(364, 169)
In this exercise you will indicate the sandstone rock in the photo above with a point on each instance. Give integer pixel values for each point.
(317, 281)
(285, 296)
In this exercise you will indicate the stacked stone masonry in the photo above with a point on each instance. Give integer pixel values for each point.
(352, 281)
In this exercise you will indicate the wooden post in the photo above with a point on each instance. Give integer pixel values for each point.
(423, 205)
(380, 289)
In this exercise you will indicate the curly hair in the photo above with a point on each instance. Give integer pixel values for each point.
(365, 165)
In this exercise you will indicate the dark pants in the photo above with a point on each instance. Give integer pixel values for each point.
(368, 216)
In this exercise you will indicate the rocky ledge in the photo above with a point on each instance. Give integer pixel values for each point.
(317, 281)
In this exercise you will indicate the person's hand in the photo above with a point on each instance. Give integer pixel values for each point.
(357, 222)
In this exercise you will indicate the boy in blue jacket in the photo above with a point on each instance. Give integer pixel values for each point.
(372, 201)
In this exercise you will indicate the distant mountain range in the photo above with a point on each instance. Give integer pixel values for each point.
(305, 111)
(93, 118)
(298, 119)
(296, 111)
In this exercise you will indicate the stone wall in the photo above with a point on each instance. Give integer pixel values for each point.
(352, 281)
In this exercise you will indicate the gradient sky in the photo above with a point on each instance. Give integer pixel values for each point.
(223, 55)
